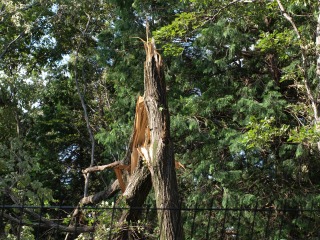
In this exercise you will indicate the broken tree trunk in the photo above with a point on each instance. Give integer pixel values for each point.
(159, 151)
(151, 142)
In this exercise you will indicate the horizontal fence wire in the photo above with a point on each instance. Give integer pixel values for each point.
(243, 222)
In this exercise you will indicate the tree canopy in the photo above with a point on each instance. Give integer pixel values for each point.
(242, 81)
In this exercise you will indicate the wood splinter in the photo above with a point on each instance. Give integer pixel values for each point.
(139, 147)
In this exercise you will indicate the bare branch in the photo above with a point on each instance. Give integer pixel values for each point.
(318, 66)
(83, 104)
(42, 222)
(289, 18)
(100, 168)
(311, 98)
(103, 195)
(136, 193)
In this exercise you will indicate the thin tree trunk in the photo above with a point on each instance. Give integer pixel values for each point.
(160, 157)
(85, 112)
(311, 97)
(318, 65)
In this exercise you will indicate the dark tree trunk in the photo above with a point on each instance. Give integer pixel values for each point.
(151, 141)
(316, 113)
(159, 151)
(136, 193)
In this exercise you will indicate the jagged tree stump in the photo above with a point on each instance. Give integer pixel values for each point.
(159, 148)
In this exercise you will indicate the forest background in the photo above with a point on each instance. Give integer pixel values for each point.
(243, 92)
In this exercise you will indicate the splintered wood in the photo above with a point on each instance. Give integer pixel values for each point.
(141, 134)
(141, 137)
(139, 146)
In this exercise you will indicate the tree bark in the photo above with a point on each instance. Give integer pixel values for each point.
(136, 193)
(152, 143)
(85, 112)
(317, 117)
(159, 151)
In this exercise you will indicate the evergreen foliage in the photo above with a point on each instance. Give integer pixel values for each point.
(241, 120)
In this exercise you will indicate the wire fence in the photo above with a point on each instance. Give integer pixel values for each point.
(54, 222)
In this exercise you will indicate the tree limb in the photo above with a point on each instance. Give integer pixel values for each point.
(312, 99)
(289, 18)
(41, 221)
(318, 63)
(83, 104)
(49, 224)
(100, 168)
(103, 195)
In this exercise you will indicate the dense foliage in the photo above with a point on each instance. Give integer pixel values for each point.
(239, 80)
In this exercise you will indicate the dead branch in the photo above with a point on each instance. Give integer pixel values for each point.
(136, 193)
(84, 106)
(41, 221)
(100, 168)
(49, 224)
(108, 193)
